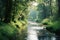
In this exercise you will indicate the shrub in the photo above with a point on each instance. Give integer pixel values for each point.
(7, 32)
(54, 27)
(46, 21)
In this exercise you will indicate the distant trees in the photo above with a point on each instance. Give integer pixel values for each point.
(49, 12)
(48, 9)
(54, 27)
(44, 9)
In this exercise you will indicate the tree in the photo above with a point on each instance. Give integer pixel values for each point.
(55, 27)
(44, 9)
(8, 11)
(12, 12)
(58, 14)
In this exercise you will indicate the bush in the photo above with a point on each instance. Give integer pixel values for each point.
(46, 21)
(7, 32)
(54, 27)
(16, 30)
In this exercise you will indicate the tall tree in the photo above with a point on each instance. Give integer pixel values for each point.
(58, 9)
(8, 11)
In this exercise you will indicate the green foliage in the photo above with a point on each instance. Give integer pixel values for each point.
(54, 28)
(21, 26)
(13, 31)
(44, 9)
(55, 25)
(7, 31)
(14, 14)
(48, 21)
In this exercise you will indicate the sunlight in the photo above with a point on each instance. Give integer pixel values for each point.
(54, 0)
(32, 34)
(34, 3)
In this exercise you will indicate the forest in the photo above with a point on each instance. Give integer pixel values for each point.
(14, 16)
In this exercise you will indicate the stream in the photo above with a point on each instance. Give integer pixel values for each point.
(36, 32)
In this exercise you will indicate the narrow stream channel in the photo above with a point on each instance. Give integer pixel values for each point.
(34, 30)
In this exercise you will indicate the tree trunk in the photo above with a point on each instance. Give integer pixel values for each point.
(58, 15)
(8, 11)
(51, 14)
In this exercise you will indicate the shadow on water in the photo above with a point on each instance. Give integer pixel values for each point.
(44, 35)
(36, 32)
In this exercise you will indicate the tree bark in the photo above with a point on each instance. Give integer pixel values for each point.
(8, 11)
(58, 15)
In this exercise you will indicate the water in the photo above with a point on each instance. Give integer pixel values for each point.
(32, 34)
(36, 32)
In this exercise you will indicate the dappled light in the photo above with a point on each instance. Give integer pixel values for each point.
(29, 19)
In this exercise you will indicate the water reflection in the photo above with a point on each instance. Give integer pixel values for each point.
(36, 32)
(47, 38)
